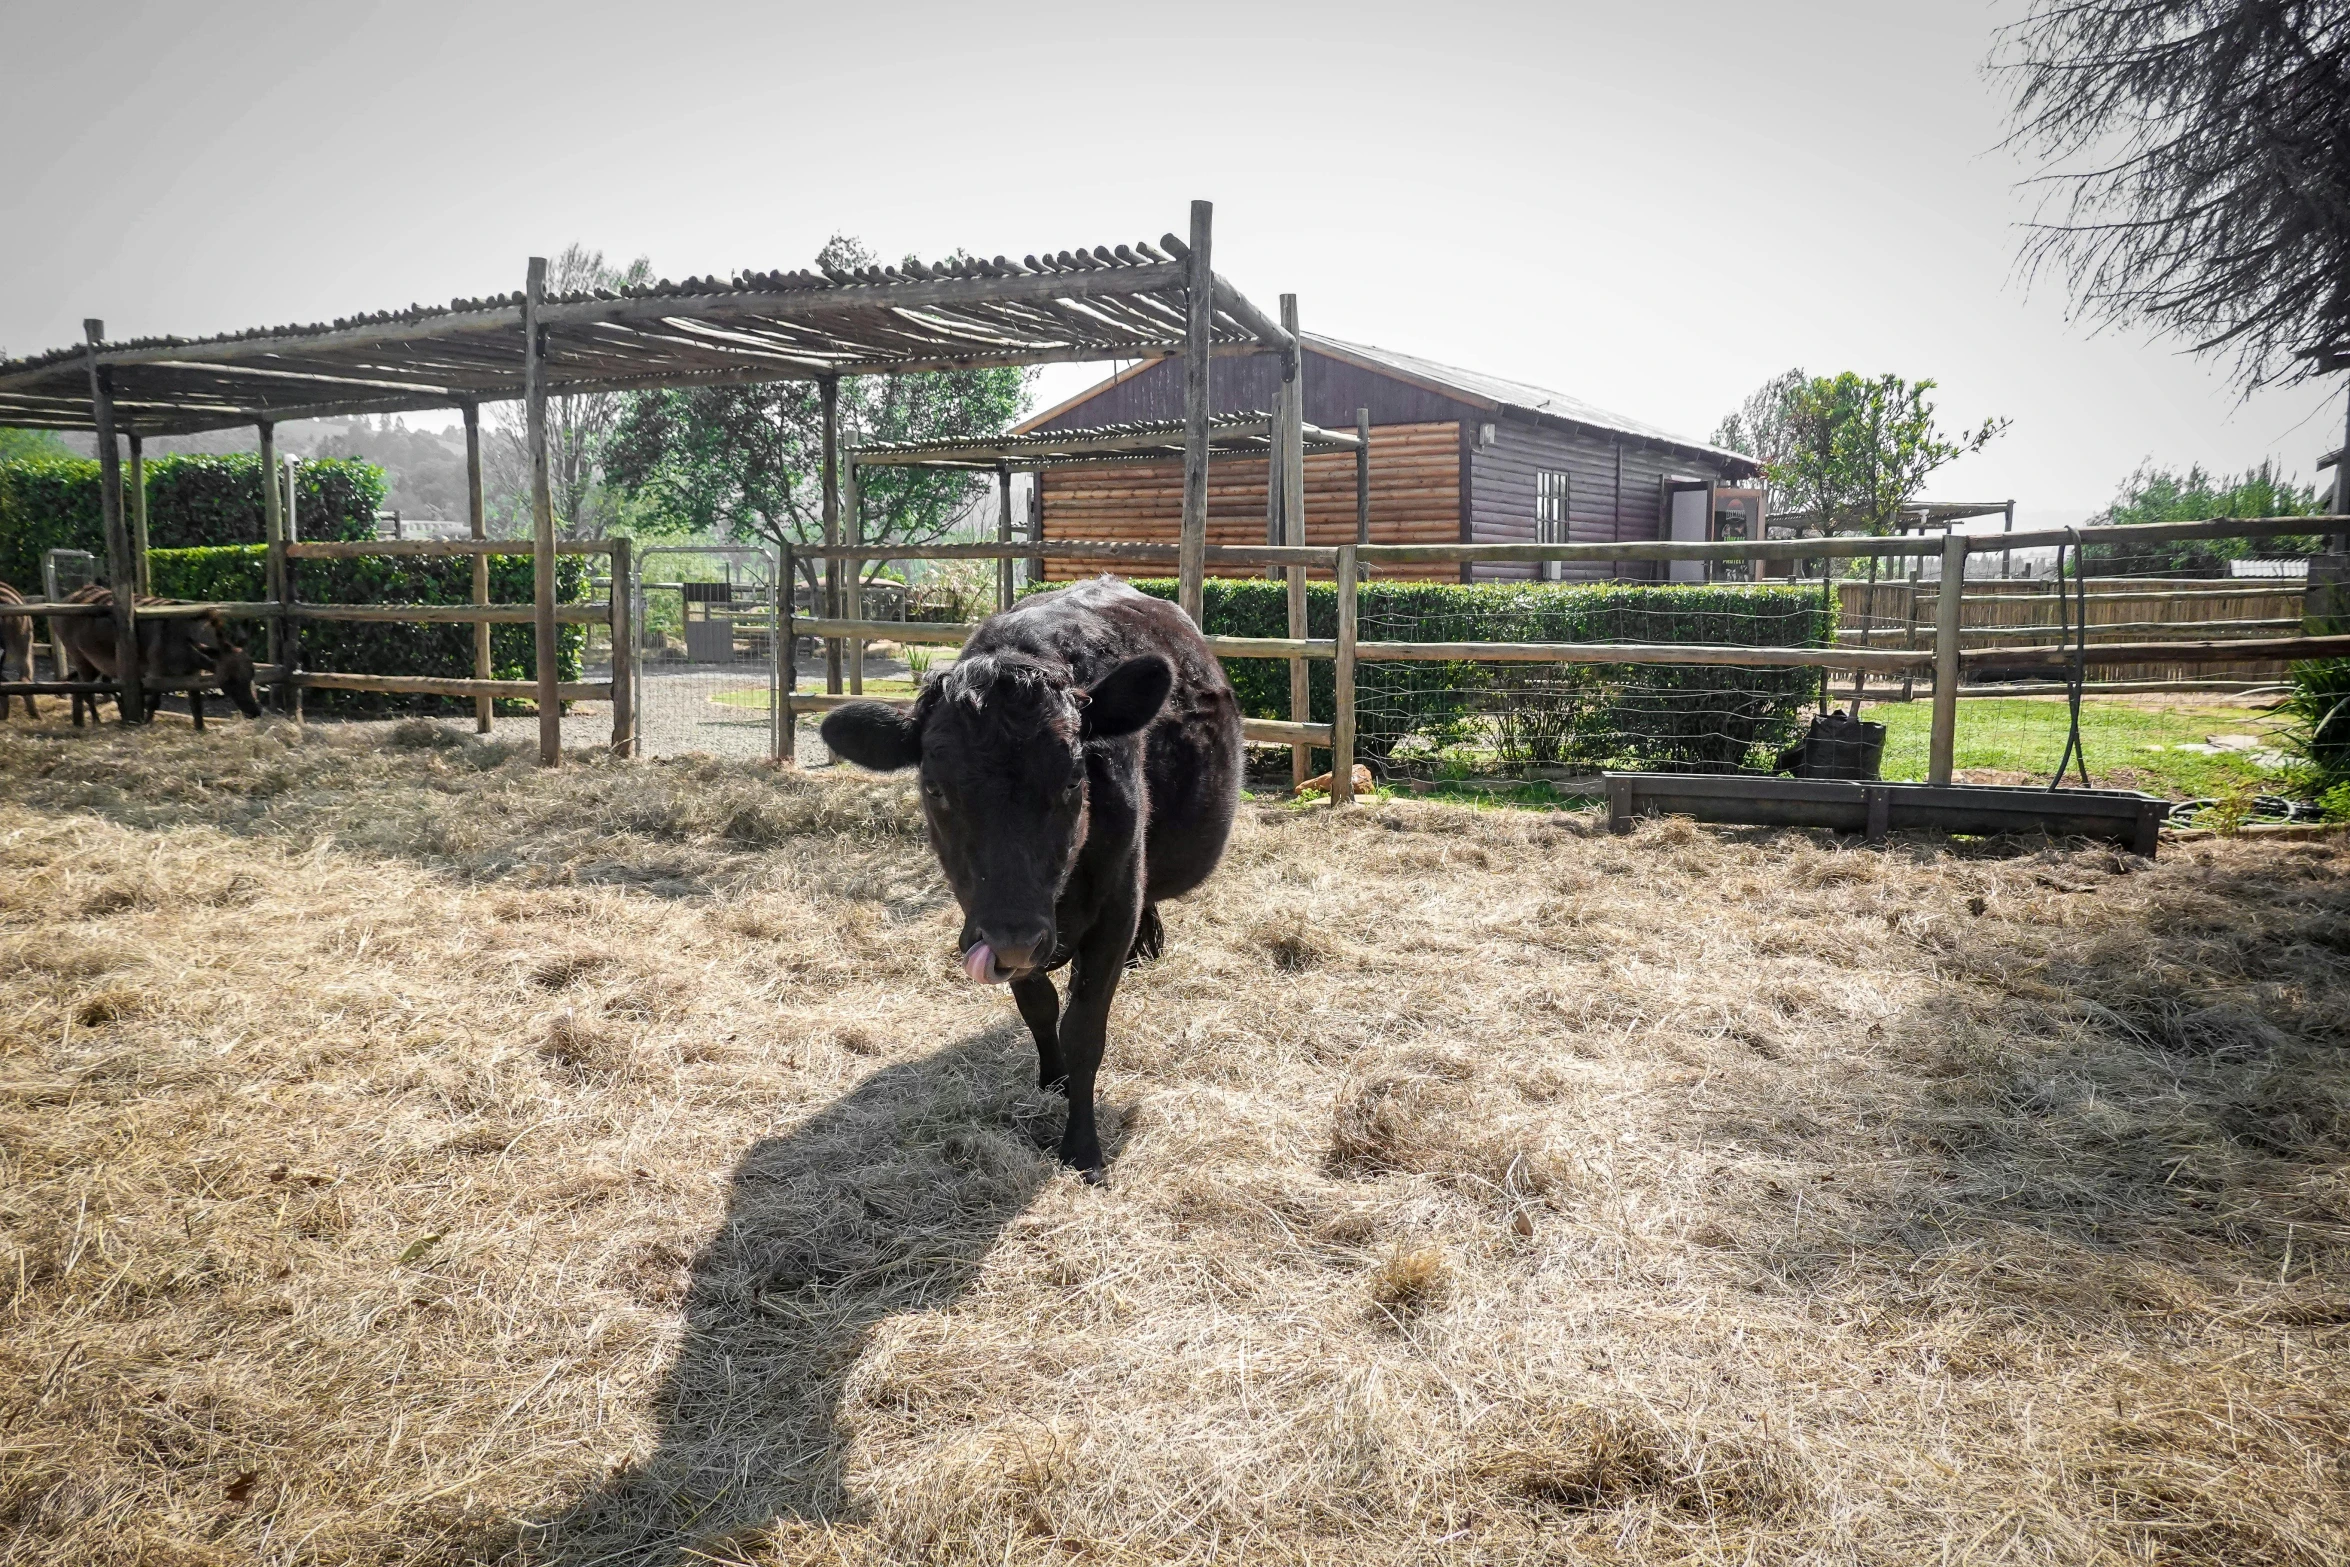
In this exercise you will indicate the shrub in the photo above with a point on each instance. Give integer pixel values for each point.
(239, 573)
(2319, 709)
(51, 503)
(1586, 715)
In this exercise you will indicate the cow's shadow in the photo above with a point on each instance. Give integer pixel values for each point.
(888, 1200)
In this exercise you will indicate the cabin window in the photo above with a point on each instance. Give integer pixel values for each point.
(1550, 517)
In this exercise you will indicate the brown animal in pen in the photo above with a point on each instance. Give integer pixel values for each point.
(16, 650)
(169, 649)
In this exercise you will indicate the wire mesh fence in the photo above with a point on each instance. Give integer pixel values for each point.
(707, 663)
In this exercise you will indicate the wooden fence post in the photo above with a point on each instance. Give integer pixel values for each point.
(1342, 725)
(852, 518)
(1289, 441)
(477, 524)
(1003, 533)
(1946, 622)
(138, 493)
(828, 389)
(542, 516)
(787, 746)
(1198, 337)
(273, 532)
(121, 573)
(623, 624)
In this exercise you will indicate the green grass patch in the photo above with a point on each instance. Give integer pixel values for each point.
(2129, 744)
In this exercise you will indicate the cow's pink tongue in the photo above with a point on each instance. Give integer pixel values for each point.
(979, 963)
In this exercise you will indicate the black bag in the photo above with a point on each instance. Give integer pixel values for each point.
(1837, 745)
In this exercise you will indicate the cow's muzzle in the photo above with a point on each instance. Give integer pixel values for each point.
(994, 962)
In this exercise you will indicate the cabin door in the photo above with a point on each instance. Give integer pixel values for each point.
(1689, 521)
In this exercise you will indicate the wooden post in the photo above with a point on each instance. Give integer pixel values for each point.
(1342, 723)
(2007, 525)
(273, 532)
(121, 573)
(1362, 475)
(623, 624)
(478, 525)
(542, 516)
(854, 572)
(778, 656)
(1199, 331)
(1946, 606)
(788, 740)
(1289, 440)
(138, 485)
(829, 388)
(290, 580)
(1036, 524)
(1003, 534)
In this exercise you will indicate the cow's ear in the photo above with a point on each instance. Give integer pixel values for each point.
(1128, 697)
(873, 734)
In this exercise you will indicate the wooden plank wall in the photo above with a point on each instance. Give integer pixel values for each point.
(2121, 609)
(1415, 499)
(1501, 489)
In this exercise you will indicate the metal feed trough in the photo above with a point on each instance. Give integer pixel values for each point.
(2123, 816)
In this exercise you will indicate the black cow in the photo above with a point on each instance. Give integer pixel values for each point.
(1080, 762)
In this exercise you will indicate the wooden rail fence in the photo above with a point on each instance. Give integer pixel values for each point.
(287, 676)
(1945, 656)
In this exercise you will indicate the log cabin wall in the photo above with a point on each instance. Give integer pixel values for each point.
(1605, 504)
(1431, 482)
(1415, 499)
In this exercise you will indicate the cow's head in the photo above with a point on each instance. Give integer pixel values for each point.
(1001, 741)
(228, 662)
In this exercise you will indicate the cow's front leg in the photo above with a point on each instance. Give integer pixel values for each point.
(1040, 1009)
(1085, 1027)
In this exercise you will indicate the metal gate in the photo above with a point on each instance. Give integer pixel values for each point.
(709, 663)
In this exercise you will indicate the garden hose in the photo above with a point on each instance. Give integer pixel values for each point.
(2073, 628)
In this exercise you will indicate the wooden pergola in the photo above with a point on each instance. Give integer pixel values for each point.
(1110, 303)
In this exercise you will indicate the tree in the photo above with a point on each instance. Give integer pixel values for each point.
(2153, 494)
(2194, 168)
(16, 444)
(1845, 451)
(579, 425)
(1758, 427)
(746, 462)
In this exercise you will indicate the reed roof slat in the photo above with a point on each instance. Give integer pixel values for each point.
(1122, 303)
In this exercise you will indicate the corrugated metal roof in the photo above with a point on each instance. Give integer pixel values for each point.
(1500, 393)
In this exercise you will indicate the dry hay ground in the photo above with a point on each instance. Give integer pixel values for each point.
(411, 1157)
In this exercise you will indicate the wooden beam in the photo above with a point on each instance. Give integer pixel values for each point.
(477, 524)
(433, 685)
(121, 574)
(361, 549)
(546, 640)
(1198, 405)
(451, 614)
(1362, 476)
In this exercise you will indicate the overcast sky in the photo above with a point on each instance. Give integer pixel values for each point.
(1651, 207)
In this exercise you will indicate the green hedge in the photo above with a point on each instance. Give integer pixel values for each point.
(238, 574)
(1582, 715)
(51, 503)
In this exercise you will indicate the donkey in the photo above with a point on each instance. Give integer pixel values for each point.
(169, 649)
(16, 650)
